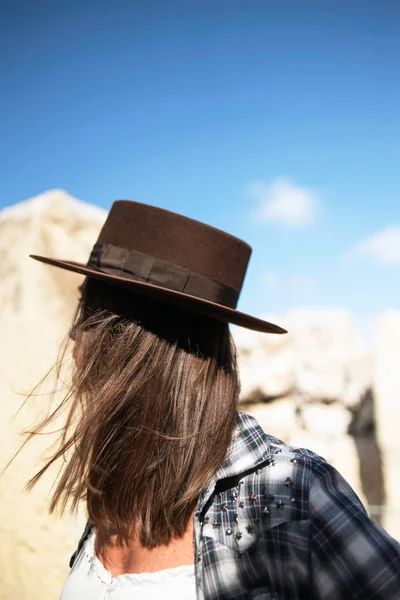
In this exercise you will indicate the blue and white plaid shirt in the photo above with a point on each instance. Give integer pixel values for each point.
(280, 523)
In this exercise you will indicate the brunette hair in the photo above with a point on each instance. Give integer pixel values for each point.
(152, 410)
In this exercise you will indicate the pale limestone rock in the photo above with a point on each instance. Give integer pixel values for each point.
(387, 410)
(325, 421)
(277, 418)
(264, 373)
(36, 305)
(322, 357)
(317, 372)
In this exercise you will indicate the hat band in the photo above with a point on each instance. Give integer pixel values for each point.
(137, 266)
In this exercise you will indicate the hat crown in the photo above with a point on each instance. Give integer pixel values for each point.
(179, 240)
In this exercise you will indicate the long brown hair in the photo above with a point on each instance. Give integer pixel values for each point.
(152, 410)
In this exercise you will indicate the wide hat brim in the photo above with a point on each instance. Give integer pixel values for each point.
(182, 299)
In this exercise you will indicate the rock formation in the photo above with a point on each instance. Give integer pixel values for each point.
(36, 305)
(386, 386)
(313, 388)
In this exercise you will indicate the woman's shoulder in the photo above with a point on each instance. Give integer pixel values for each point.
(276, 451)
(335, 526)
(293, 479)
(271, 477)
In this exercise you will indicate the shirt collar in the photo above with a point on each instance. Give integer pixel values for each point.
(248, 449)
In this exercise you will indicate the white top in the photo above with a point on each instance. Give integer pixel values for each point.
(89, 580)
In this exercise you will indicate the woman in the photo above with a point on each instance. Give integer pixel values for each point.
(185, 496)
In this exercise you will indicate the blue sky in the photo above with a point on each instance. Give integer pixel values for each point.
(275, 120)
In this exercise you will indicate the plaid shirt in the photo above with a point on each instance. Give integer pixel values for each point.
(280, 523)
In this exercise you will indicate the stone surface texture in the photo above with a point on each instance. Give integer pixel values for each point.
(37, 302)
(387, 406)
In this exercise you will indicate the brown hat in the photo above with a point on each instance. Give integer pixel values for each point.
(171, 258)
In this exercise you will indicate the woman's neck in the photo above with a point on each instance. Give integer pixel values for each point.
(119, 555)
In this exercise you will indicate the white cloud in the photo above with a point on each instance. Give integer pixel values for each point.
(383, 245)
(295, 285)
(284, 202)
